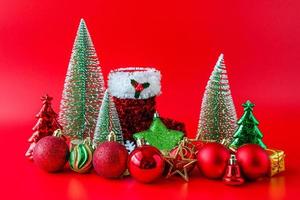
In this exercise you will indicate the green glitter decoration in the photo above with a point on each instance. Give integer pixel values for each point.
(160, 136)
(248, 131)
(218, 116)
(83, 88)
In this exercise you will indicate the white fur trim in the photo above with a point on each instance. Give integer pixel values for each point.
(119, 82)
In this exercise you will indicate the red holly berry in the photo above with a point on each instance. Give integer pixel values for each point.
(139, 87)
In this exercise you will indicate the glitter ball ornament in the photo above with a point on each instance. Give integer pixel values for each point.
(110, 158)
(51, 153)
(81, 155)
(212, 160)
(253, 160)
(218, 116)
(146, 163)
(134, 92)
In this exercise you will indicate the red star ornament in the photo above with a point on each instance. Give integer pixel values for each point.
(181, 160)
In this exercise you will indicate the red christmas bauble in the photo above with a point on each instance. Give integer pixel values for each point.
(146, 164)
(253, 160)
(51, 153)
(212, 160)
(110, 159)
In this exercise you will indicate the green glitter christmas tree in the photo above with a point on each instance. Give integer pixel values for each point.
(83, 88)
(218, 116)
(108, 121)
(248, 131)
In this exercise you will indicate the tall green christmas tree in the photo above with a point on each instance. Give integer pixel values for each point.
(108, 120)
(83, 89)
(218, 116)
(248, 131)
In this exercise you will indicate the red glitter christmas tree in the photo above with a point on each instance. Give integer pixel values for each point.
(47, 123)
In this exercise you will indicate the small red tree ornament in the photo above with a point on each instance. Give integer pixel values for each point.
(47, 123)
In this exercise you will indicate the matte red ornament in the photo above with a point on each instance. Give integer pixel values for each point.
(233, 174)
(212, 160)
(110, 159)
(51, 153)
(253, 160)
(146, 164)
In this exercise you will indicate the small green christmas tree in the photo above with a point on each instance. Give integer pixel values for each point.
(218, 116)
(83, 89)
(108, 120)
(247, 131)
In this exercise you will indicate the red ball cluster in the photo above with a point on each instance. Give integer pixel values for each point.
(146, 163)
(213, 159)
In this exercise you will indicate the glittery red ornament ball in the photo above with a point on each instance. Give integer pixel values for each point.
(146, 164)
(253, 160)
(110, 159)
(51, 153)
(212, 160)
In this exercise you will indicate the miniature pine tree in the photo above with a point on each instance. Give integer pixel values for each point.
(247, 131)
(47, 123)
(83, 89)
(108, 120)
(218, 116)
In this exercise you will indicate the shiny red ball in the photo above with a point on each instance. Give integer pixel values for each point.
(146, 164)
(212, 160)
(253, 160)
(110, 159)
(51, 153)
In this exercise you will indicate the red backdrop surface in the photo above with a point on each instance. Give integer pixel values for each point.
(183, 39)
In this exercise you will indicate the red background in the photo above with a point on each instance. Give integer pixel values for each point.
(181, 38)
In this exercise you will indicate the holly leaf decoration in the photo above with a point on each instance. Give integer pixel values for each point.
(134, 83)
(137, 94)
(138, 87)
(145, 85)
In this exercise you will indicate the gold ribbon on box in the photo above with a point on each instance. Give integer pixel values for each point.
(277, 161)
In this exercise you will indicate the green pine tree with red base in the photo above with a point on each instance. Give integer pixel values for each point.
(247, 131)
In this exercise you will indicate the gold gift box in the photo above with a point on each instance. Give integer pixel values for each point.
(277, 161)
